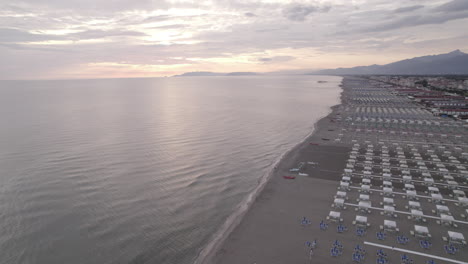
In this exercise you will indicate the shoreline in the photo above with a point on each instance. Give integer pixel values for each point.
(210, 252)
(406, 165)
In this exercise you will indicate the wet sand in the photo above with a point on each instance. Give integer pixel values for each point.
(271, 230)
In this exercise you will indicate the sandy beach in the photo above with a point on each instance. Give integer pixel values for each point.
(271, 230)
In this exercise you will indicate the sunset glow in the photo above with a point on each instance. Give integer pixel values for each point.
(160, 38)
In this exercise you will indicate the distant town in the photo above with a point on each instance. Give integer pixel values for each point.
(442, 95)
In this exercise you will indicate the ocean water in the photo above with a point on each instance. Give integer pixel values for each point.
(140, 170)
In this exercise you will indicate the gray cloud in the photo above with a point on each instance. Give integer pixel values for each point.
(277, 59)
(417, 20)
(156, 18)
(217, 29)
(15, 35)
(299, 12)
(270, 29)
(173, 26)
(408, 9)
(453, 6)
(97, 34)
(37, 60)
(9, 35)
(92, 6)
(15, 46)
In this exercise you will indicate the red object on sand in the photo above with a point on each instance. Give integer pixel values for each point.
(289, 177)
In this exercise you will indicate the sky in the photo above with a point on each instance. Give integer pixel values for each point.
(69, 39)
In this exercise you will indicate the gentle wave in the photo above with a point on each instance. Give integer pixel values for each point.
(143, 170)
(236, 217)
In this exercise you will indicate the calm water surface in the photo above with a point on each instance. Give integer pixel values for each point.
(140, 170)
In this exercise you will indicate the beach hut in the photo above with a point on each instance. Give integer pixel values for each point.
(334, 216)
(417, 215)
(447, 220)
(342, 195)
(346, 179)
(367, 175)
(458, 193)
(344, 186)
(448, 178)
(452, 184)
(429, 181)
(411, 195)
(436, 198)
(364, 206)
(339, 203)
(387, 191)
(462, 201)
(407, 179)
(420, 232)
(389, 226)
(388, 201)
(365, 188)
(387, 184)
(426, 175)
(409, 187)
(441, 209)
(414, 205)
(387, 176)
(363, 197)
(361, 221)
(456, 238)
(432, 189)
(389, 210)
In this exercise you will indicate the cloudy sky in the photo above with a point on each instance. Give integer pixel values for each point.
(57, 39)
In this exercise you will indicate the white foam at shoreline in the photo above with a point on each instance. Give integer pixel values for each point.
(236, 217)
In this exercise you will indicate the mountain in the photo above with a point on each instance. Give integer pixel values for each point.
(194, 74)
(241, 73)
(455, 62)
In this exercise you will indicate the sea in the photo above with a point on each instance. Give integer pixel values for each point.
(143, 170)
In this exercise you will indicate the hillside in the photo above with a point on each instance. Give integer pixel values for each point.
(453, 63)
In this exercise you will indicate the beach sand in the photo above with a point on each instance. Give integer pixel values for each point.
(271, 232)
